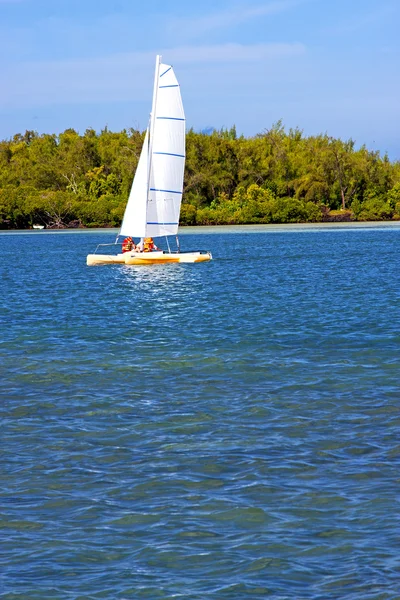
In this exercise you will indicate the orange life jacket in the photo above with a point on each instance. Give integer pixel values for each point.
(148, 244)
(127, 244)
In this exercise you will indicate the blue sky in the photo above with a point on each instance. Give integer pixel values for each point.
(326, 66)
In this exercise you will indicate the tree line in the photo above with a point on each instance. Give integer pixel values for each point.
(278, 176)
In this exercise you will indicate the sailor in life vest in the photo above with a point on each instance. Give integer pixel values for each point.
(149, 245)
(127, 244)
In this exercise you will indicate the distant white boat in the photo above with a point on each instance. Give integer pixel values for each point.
(38, 226)
(154, 202)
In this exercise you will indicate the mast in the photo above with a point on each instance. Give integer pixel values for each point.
(152, 122)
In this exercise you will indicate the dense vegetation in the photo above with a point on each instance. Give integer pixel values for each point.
(275, 177)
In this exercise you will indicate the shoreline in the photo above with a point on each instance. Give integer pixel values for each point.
(270, 227)
(240, 229)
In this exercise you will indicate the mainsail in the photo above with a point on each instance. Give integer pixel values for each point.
(155, 199)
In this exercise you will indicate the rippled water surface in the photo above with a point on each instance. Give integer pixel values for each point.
(220, 430)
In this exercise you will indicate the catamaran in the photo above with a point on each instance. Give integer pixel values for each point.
(155, 198)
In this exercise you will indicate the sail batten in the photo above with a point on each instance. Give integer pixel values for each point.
(162, 74)
(167, 191)
(171, 154)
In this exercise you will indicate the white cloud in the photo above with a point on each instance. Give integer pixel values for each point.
(365, 21)
(234, 52)
(190, 27)
(122, 77)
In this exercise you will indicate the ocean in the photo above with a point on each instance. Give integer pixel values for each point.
(224, 430)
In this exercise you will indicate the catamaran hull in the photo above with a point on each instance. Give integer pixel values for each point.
(148, 258)
(105, 259)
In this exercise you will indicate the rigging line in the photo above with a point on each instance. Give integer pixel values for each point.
(166, 237)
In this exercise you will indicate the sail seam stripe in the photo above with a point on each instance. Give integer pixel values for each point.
(169, 68)
(172, 118)
(170, 154)
(165, 86)
(169, 191)
(158, 223)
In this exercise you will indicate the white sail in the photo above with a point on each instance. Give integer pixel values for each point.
(134, 221)
(155, 200)
(168, 157)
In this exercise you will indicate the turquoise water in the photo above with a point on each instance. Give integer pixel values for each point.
(220, 430)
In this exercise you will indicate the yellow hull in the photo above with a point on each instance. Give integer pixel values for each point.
(147, 258)
(105, 259)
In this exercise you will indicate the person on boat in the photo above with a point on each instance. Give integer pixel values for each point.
(149, 245)
(127, 244)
